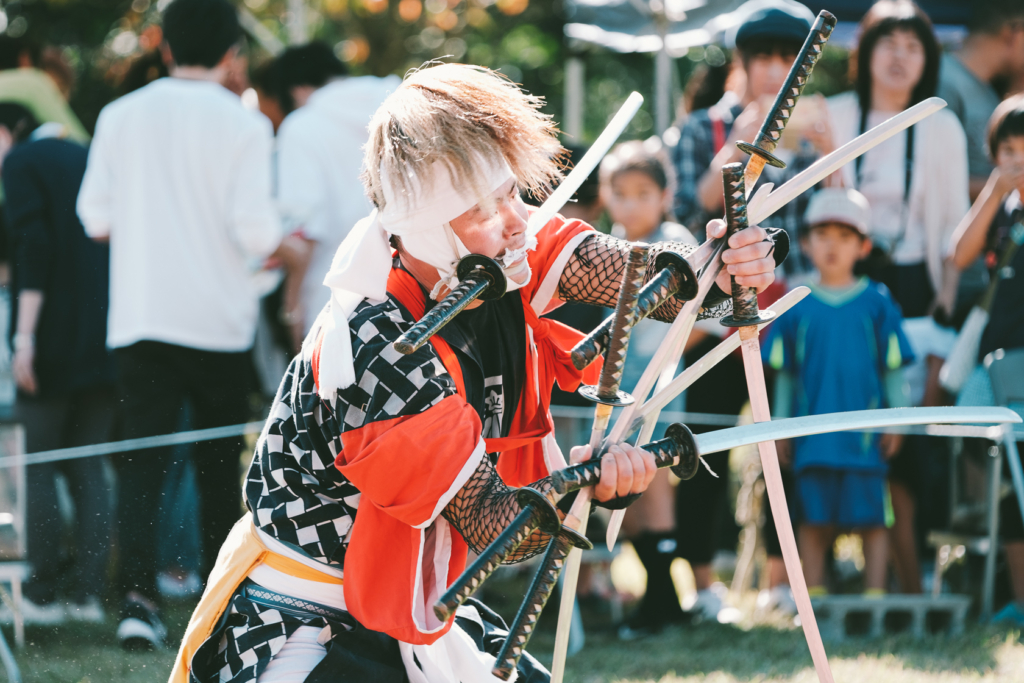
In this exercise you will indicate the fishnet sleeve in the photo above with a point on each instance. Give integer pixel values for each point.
(485, 506)
(594, 272)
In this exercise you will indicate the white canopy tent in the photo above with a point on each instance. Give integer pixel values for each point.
(669, 28)
(665, 28)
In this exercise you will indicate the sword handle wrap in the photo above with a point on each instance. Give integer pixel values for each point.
(673, 278)
(771, 131)
(625, 316)
(540, 590)
(479, 277)
(537, 512)
(744, 299)
(677, 450)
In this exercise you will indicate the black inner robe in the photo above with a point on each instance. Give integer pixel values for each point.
(490, 344)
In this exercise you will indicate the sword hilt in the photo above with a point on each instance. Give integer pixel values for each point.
(678, 450)
(625, 317)
(745, 310)
(674, 278)
(771, 130)
(479, 278)
(537, 513)
(537, 595)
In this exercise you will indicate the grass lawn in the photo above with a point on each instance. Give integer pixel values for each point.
(708, 653)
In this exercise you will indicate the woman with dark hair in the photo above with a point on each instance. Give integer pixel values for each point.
(916, 182)
(917, 185)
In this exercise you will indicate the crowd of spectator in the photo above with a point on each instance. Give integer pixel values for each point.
(144, 262)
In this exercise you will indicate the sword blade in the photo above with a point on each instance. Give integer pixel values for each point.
(557, 199)
(751, 350)
(611, 374)
(858, 420)
(646, 417)
(680, 384)
(664, 363)
(830, 163)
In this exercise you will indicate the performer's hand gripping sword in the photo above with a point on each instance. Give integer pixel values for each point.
(607, 395)
(746, 316)
(771, 130)
(680, 450)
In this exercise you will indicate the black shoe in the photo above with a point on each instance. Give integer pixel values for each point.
(140, 627)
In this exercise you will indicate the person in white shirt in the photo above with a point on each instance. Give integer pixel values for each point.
(178, 181)
(319, 159)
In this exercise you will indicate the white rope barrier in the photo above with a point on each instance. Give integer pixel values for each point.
(993, 433)
(127, 445)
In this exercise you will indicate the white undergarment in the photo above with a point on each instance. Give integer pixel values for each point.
(300, 655)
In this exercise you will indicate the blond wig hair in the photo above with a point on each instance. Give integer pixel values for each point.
(459, 115)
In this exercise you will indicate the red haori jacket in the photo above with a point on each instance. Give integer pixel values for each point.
(402, 555)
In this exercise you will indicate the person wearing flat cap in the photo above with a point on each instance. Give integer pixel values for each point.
(430, 447)
(766, 43)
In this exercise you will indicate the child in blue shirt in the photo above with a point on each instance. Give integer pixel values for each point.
(842, 348)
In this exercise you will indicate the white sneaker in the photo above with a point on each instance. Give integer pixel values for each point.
(140, 628)
(46, 615)
(708, 604)
(779, 598)
(90, 611)
(171, 586)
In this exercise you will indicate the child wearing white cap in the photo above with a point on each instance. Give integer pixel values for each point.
(840, 349)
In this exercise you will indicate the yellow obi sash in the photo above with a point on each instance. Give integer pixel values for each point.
(242, 552)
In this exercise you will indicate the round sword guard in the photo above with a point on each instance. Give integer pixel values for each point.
(476, 263)
(687, 278)
(575, 539)
(549, 520)
(590, 393)
(746, 321)
(770, 158)
(689, 460)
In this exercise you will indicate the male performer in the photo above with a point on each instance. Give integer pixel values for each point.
(427, 446)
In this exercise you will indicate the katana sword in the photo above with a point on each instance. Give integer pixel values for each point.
(667, 354)
(480, 277)
(762, 207)
(762, 150)
(538, 512)
(607, 396)
(747, 317)
(764, 203)
(767, 139)
(681, 450)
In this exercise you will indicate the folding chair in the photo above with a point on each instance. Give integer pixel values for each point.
(1006, 372)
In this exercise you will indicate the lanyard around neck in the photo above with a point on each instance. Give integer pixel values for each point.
(908, 176)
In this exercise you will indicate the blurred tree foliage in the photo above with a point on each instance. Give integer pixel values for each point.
(522, 38)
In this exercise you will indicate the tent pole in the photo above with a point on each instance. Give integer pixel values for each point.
(298, 30)
(575, 78)
(662, 90)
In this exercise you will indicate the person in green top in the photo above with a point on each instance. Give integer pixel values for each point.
(22, 83)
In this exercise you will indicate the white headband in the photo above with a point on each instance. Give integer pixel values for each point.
(362, 263)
